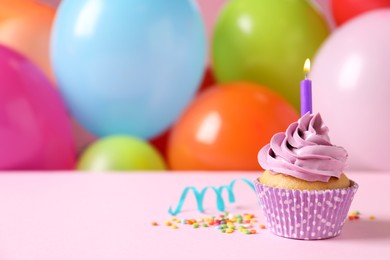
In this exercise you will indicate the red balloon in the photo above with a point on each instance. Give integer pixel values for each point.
(208, 80)
(344, 10)
(160, 142)
(225, 127)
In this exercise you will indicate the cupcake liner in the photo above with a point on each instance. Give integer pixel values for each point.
(304, 214)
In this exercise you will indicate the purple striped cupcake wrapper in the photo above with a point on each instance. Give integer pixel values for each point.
(304, 214)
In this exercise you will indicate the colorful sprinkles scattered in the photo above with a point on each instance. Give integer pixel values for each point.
(227, 223)
(355, 215)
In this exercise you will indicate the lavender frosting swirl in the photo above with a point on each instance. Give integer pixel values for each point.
(304, 151)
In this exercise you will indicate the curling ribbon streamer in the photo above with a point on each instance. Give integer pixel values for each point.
(199, 196)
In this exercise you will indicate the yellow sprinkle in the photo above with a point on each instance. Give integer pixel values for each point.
(167, 223)
(372, 217)
(233, 219)
(178, 221)
(253, 220)
(174, 227)
(173, 219)
(247, 217)
(229, 230)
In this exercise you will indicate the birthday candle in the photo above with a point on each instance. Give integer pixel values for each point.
(306, 98)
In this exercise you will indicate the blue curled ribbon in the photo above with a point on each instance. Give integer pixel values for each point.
(199, 196)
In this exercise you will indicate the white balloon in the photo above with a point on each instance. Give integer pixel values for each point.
(351, 89)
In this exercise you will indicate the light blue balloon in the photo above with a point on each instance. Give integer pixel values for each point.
(128, 66)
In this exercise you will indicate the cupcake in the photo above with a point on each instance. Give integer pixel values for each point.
(304, 192)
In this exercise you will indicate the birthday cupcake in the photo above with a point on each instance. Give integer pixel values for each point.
(304, 191)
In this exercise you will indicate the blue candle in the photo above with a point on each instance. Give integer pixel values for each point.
(306, 97)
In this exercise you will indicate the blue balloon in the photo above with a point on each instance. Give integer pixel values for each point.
(128, 66)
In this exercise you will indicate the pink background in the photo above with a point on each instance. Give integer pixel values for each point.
(108, 216)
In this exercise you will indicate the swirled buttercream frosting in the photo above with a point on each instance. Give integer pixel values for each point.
(304, 151)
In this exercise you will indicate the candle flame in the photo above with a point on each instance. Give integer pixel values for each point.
(306, 67)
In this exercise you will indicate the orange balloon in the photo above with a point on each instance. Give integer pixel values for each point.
(225, 127)
(25, 26)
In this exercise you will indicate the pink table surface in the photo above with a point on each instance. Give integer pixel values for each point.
(108, 216)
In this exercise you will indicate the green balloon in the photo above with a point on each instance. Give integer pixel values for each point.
(120, 153)
(267, 42)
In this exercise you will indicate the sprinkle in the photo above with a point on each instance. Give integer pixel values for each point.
(226, 223)
(356, 217)
(229, 230)
(356, 213)
(350, 217)
(372, 217)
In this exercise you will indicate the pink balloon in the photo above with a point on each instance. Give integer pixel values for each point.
(324, 7)
(351, 89)
(210, 10)
(35, 132)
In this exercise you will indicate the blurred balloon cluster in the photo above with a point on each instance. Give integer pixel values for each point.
(125, 85)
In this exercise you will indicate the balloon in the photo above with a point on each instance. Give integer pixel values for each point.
(267, 42)
(208, 80)
(53, 3)
(324, 7)
(210, 10)
(225, 127)
(35, 131)
(128, 66)
(120, 153)
(82, 137)
(351, 89)
(160, 142)
(26, 28)
(344, 10)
